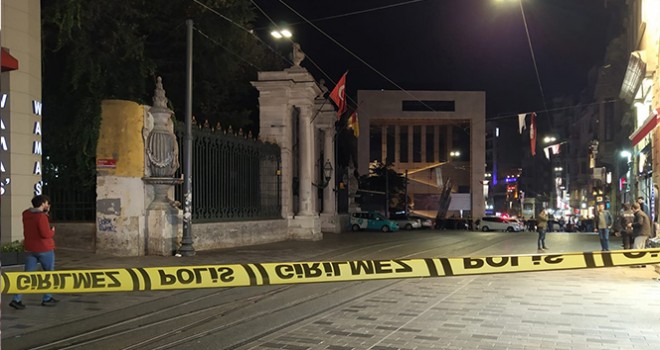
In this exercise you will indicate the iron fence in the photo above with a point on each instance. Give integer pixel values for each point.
(70, 203)
(235, 177)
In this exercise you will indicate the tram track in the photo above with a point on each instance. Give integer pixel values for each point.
(186, 316)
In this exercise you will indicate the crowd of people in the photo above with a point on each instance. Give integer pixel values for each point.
(632, 224)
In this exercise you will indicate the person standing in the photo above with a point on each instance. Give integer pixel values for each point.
(603, 223)
(38, 242)
(641, 227)
(642, 205)
(541, 225)
(626, 218)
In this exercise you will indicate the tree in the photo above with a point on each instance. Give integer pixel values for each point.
(383, 178)
(95, 50)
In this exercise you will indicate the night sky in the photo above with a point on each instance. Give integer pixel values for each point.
(452, 45)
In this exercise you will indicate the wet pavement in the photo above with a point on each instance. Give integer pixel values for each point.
(609, 308)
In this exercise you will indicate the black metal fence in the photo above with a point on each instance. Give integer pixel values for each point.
(235, 177)
(70, 202)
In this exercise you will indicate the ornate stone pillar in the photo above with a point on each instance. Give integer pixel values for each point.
(162, 160)
(306, 169)
(279, 94)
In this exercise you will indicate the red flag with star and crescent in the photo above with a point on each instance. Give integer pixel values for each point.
(338, 95)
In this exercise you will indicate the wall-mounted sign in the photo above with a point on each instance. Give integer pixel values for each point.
(5, 147)
(106, 163)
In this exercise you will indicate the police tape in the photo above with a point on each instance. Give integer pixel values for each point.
(261, 274)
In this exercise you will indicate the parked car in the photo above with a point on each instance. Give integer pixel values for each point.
(520, 224)
(426, 222)
(453, 224)
(372, 221)
(496, 223)
(406, 222)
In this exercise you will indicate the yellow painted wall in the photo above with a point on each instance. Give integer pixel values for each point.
(120, 138)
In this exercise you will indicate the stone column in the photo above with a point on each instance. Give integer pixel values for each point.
(279, 93)
(329, 202)
(306, 163)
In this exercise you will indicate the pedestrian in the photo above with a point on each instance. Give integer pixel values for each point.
(603, 221)
(641, 227)
(541, 225)
(642, 205)
(38, 242)
(625, 220)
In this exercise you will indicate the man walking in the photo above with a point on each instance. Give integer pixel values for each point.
(603, 222)
(38, 242)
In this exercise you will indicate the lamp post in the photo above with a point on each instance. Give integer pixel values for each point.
(327, 175)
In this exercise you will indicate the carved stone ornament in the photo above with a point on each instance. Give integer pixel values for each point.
(162, 146)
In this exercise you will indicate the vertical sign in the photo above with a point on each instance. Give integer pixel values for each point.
(36, 145)
(4, 149)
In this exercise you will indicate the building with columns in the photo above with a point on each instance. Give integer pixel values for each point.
(292, 114)
(431, 135)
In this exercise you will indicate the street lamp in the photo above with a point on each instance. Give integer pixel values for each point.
(549, 139)
(327, 175)
(281, 33)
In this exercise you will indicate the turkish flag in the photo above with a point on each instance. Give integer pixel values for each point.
(338, 95)
(532, 134)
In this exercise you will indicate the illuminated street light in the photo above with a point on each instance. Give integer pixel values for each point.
(626, 154)
(282, 33)
(549, 139)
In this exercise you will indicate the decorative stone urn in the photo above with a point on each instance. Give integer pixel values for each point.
(162, 151)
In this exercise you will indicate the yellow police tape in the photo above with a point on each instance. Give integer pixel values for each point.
(259, 274)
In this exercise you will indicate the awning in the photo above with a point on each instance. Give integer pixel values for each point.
(649, 124)
(8, 61)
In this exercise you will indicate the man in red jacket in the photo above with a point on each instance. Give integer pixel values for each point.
(38, 242)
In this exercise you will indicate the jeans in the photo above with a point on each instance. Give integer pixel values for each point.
(47, 260)
(604, 235)
(541, 241)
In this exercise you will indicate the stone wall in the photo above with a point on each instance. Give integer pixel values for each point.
(218, 235)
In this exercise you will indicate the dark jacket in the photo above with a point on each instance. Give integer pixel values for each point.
(626, 217)
(37, 232)
(641, 224)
